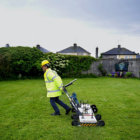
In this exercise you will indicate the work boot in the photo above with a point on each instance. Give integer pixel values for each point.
(54, 114)
(67, 111)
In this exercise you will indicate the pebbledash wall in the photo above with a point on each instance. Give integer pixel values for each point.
(109, 66)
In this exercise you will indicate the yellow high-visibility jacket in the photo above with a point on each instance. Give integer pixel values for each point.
(53, 82)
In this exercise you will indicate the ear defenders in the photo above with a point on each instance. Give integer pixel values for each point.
(47, 65)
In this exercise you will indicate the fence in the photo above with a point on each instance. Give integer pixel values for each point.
(109, 66)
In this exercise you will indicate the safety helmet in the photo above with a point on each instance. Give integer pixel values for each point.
(44, 62)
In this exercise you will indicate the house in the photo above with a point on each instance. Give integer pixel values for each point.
(119, 53)
(42, 49)
(138, 56)
(74, 50)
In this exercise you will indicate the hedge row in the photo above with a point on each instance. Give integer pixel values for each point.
(24, 62)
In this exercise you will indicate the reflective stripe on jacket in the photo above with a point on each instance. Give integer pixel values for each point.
(53, 82)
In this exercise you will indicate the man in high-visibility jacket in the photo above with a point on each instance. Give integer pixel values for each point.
(54, 87)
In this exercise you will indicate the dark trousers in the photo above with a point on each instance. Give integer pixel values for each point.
(54, 100)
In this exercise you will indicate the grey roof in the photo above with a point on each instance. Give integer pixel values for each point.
(74, 49)
(42, 49)
(119, 51)
(138, 56)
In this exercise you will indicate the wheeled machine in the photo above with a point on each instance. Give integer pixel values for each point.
(84, 113)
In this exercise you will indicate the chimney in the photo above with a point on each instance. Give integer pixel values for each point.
(38, 46)
(96, 52)
(7, 45)
(119, 46)
(75, 45)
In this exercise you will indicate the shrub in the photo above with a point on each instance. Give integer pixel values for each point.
(128, 74)
(115, 75)
(68, 65)
(57, 62)
(25, 62)
(109, 75)
(15, 61)
(77, 64)
(102, 70)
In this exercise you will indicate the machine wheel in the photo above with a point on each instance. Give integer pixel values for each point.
(75, 123)
(93, 106)
(94, 109)
(100, 123)
(98, 117)
(75, 116)
(73, 110)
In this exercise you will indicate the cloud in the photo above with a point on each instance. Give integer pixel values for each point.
(29, 26)
(17, 3)
(122, 15)
(115, 14)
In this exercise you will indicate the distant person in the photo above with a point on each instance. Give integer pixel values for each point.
(54, 87)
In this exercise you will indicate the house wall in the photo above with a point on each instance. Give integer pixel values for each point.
(69, 53)
(120, 56)
(85, 54)
(109, 56)
(126, 56)
(109, 66)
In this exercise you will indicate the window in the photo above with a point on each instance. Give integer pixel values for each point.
(126, 57)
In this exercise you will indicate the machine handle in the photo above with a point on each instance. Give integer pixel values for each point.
(70, 83)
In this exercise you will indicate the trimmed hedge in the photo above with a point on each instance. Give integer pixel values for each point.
(77, 64)
(18, 62)
(25, 62)
(68, 65)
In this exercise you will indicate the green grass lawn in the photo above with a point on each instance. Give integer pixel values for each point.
(25, 110)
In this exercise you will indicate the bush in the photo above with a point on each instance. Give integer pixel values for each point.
(109, 75)
(68, 65)
(18, 62)
(57, 62)
(76, 65)
(115, 75)
(102, 70)
(128, 74)
(25, 62)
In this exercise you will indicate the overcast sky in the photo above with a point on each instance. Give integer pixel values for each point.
(57, 24)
